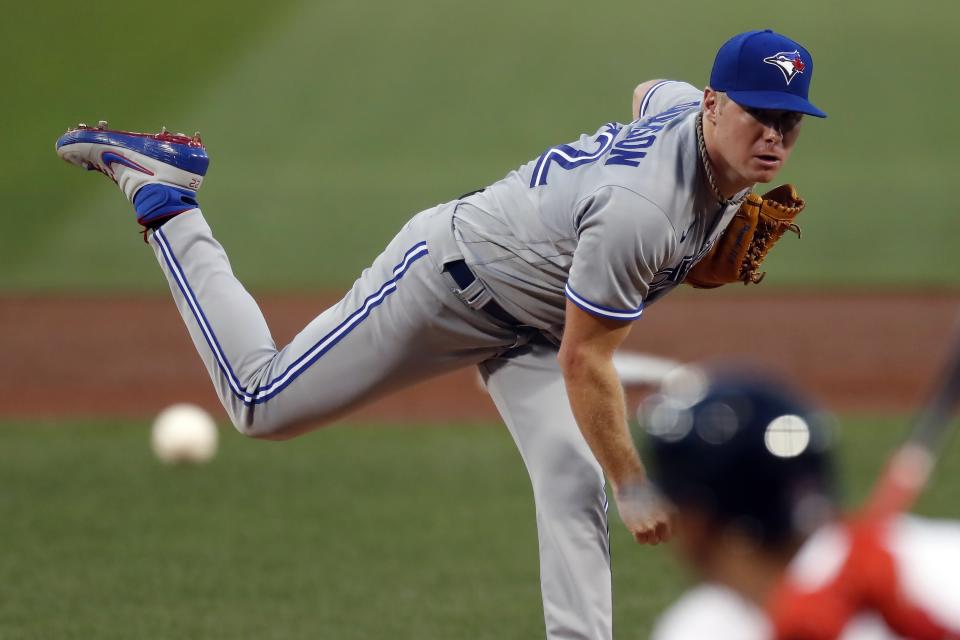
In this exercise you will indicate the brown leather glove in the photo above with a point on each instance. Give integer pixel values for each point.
(741, 249)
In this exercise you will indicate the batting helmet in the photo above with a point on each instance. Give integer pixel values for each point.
(742, 449)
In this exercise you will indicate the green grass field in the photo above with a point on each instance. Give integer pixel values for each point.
(367, 532)
(330, 123)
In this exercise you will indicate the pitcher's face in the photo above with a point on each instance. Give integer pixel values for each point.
(754, 143)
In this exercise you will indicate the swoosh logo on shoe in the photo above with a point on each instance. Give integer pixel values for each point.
(110, 158)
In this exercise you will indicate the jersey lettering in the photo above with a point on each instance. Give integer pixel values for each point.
(643, 134)
(568, 157)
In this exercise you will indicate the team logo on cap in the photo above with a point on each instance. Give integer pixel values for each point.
(789, 62)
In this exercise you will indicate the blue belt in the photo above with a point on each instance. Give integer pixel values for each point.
(462, 275)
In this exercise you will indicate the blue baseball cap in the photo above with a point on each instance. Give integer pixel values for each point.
(765, 70)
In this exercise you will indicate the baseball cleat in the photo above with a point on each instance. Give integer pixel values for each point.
(159, 173)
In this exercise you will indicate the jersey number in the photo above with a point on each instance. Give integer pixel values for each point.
(568, 157)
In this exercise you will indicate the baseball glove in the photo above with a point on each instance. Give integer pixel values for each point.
(741, 249)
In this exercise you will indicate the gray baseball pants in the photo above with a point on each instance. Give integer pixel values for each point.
(405, 320)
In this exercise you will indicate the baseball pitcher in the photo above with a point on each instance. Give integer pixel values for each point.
(536, 280)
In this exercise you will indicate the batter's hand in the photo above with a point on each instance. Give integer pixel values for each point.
(647, 515)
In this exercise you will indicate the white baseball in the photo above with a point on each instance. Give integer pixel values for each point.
(184, 433)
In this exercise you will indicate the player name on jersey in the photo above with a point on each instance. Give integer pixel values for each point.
(629, 150)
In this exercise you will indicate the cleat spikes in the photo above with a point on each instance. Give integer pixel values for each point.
(136, 161)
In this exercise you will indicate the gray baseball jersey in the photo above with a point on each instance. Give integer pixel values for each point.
(611, 221)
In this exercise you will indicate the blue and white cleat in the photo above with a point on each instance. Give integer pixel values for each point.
(159, 173)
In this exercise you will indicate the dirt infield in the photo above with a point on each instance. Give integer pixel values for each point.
(131, 356)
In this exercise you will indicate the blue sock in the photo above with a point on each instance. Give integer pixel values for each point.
(157, 203)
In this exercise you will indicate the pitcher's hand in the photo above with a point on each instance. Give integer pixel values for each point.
(644, 512)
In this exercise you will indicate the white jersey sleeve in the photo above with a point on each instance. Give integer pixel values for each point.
(666, 94)
(711, 611)
(623, 239)
(929, 562)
